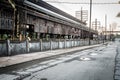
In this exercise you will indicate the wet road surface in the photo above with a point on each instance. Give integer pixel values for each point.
(92, 64)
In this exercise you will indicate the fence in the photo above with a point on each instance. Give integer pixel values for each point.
(8, 48)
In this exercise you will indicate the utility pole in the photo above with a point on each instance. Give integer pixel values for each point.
(90, 20)
(103, 34)
(110, 30)
(105, 26)
(96, 24)
(81, 14)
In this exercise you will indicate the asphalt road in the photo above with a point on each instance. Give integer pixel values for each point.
(92, 64)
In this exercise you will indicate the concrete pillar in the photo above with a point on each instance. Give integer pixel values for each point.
(50, 44)
(27, 46)
(38, 35)
(71, 43)
(41, 45)
(8, 48)
(83, 42)
(74, 43)
(79, 42)
(65, 43)
(59, 44)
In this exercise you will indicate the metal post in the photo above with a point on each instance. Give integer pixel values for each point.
(96, 24)
(105, 26)
(59, 44)
(110, 31)
(50, 44)
(102, 35)
(96, 29)
(90, 20)
(81, 14)
(65, 43)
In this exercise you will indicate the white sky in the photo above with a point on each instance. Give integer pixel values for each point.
(98, 11)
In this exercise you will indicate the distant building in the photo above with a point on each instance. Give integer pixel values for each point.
(78, 15)
(82, 15)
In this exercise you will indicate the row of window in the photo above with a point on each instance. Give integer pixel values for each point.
(6, 23)
(6, 14)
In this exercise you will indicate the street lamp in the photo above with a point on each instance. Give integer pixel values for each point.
(90, 20)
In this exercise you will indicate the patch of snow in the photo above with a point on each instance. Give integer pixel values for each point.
(85, 58)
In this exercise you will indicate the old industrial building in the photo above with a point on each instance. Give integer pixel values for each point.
(37, 19)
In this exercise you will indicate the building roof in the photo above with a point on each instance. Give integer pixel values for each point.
(53, 11)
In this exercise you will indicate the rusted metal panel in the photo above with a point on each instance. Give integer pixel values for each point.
(76, 32)
(31, 19)
(72, 30)
(67, 30)
(28, 19)
(36, 25)
(79, 32)
(39, 24)
(63, 29)
(50, 26)
(43, 27)
(57, 29)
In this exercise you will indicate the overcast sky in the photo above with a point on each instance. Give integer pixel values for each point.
(98, 11)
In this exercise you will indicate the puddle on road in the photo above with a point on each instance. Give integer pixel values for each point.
(80, 59)
(86, 59)
(93, 54)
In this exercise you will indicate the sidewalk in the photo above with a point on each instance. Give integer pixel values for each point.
(117, 64)
(17, 59)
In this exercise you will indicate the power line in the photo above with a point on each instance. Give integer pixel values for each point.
(80, 3)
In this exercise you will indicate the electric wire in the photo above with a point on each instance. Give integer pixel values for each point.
(81, 3)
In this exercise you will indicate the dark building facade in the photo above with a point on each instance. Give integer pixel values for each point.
(37, 19)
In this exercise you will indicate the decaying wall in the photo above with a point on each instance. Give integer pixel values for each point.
(8, 48)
